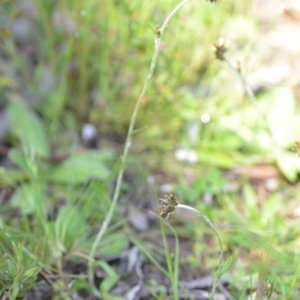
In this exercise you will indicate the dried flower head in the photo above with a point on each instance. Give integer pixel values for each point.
(265, 289)
(296, 149)
(239, 66)
(168, 206)
(220, 49)
(157, 31)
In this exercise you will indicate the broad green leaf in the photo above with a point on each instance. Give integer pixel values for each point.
(24, 198)
(18, 158)
(112, 244)
(80, 168)
(27, 127)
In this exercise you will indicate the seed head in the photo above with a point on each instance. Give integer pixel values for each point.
(220, 49)
(168, 206)
(296, 149)
(157, 31)
(265, 289)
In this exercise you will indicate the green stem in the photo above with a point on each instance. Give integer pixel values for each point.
(211, 225)
(107, 220)
(172, 271)
(252, 98)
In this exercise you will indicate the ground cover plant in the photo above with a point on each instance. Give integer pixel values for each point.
(212, 128)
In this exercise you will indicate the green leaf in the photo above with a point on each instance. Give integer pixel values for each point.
(11, 267)
(70, 227)
(8, 176)
(18, 158)
(27, 127)
(32, 272)
(15, 289)
(79, 284)
(102, 193)
(110, 280)
(79, 168)
(112, 244)
(24, 198)
(226, 266)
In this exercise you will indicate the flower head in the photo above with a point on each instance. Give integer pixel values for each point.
(296, 149)
(219, 49)
(265, 289)
(168, 206)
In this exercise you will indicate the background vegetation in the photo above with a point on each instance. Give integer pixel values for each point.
(68, 64)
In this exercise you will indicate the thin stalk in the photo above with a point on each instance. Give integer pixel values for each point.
(167, 253)
(211, 225)
(149, 255)
(251, 96)
(173, 272)
(107, 220)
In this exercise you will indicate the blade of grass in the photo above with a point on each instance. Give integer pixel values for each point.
(294, 280)
(172, 272)
(149, 255)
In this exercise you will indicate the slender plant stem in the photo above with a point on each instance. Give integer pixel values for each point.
(173, 271)
(211, 225)
(107, 220)
(252, 97)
